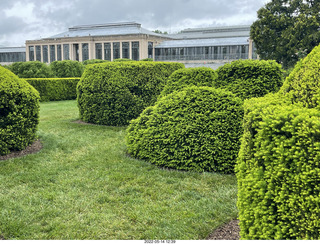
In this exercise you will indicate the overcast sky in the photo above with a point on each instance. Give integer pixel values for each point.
(22, 20)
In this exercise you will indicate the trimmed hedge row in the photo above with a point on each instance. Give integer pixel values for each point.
(250, 78)
(197, 128)
(113, 93)
(278, 171)
(55, 89)
(19, 112)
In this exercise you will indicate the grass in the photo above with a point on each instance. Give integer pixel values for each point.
(82, 185)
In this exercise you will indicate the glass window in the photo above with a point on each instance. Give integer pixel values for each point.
(38, 53)
(150, 49)
(107, 51)
(125, 50)
(116, 50)
(52, 53)
(85, 51)
(45, 53)
(66, 55)
(31, 53)
(98, 50)
(135, 51)
(59, 55)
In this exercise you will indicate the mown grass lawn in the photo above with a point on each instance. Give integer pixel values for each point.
(82, 185)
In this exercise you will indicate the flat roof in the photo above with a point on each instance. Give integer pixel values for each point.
(204, 42)
(213, 32)
(12, 49)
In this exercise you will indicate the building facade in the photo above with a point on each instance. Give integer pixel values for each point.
(10, 55)
(107, 42)
(129, 40)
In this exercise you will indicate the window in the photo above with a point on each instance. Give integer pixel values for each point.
(38, 53)
(59, 55)
(150, 49)
(76, 52)
(85, 51)
(135, 51)
(107, 51)
(98, 50)
(125, 50)
(31, 53)
(45, 53)
(52, 53)
(116, 50)
(66, 55)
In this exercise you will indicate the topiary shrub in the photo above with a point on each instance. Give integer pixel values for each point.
(278, 171)
(250, 78)
(31, 69)
(191, 76)
(66, 68)
(55, 89)
(197, 129)
(94, 61)
(113, 93)
(19, 112)
(303, 83)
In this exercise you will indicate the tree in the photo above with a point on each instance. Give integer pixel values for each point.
(287, 30)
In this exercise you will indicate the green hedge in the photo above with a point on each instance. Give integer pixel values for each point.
(31, 69)
(19, 112)
(66, 69)
(278, 171)
(191, 76)
(250, 78)
(303, 83)
(197, 128)
(55, 89)
(113, 93)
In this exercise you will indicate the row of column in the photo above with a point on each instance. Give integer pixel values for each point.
(76, 51)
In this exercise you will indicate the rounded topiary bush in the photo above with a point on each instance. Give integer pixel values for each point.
(67, 68)
(303, 83)
(278, 171)
(19, 112)
(197, 129)
(187, 77)
(31, 69)
(250, 78)
(113, 93)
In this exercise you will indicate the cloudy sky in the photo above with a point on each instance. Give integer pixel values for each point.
(22, 20)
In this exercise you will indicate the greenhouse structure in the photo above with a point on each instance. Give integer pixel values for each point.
(129, 40)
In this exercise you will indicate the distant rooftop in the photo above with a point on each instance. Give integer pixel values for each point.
(110, 29)
(214, 32)
(12, 49)
(203, 42)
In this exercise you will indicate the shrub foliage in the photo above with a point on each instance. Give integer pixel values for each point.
(113, 93)
(31, 69)
(187, 77)
(55, 89)
(197, 128)
(19, 112)
(278, 171)
(250, 78)
(303, 83)
(66, 68)
(278, 168)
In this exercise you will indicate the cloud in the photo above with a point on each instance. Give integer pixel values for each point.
(32, 19)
